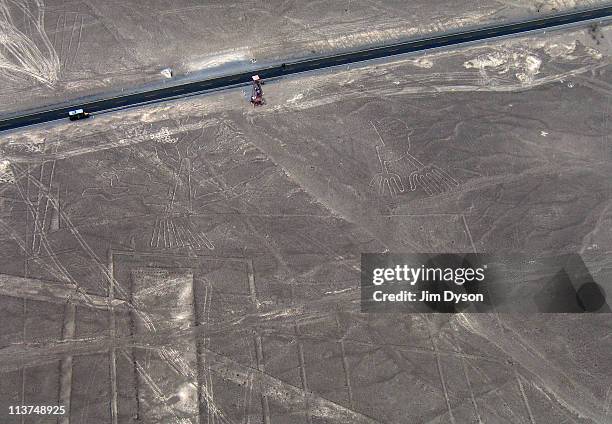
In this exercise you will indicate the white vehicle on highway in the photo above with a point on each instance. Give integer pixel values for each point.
(75, 115)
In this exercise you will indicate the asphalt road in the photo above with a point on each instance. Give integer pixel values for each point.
(191, 88)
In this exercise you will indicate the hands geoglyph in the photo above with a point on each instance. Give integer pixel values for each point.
(430, 178)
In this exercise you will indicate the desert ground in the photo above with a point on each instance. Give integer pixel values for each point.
(197, 261)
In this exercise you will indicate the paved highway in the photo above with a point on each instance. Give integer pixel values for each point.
(191, 88)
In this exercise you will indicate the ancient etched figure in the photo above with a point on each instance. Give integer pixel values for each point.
(398, 167)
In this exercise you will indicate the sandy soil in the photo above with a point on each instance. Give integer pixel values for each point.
(199, 259)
